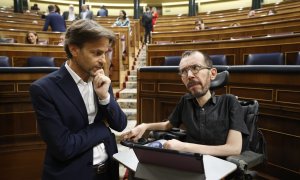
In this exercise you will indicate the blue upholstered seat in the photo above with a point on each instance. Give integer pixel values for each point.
(41, 61)
(298, 59)
(4, 61)
(265, 59)
(172, 60)
(218, 59)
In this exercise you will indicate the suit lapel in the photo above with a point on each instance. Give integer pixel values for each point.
(69, 87)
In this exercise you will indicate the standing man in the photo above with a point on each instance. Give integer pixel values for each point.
(75, 109)
(54, 20)
(85, 13)
(147, 23)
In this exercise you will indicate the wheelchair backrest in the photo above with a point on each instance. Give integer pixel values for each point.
(256, 141)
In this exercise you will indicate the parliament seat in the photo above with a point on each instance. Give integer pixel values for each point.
(40, 61)
(175, 60)
(172, 61)
(4, 61)
(265, 59)
(298, 59)
(218, 59)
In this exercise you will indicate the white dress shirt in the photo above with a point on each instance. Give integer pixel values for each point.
(87, 92)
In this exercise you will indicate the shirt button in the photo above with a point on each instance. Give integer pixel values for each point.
(202, 109)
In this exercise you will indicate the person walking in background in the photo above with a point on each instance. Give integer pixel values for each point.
(76, 109)
(69, 15)
(54, 20)
(147, 23)
(103, 12)
(154, 17)
(31, 38)
(85, 13)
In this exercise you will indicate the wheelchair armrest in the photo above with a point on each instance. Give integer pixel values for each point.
(174, 133)
(246, 159)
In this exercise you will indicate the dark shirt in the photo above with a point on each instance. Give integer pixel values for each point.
(210, 124)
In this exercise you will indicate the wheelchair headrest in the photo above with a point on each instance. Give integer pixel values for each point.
(220, 81)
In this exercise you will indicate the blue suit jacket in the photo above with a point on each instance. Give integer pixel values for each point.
(63, 124)
(56, 22)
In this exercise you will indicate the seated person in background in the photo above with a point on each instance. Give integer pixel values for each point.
(122, 21)
(214, 124)
(271, 12)
(235, 24)
(251, 13)
(69, 15)
(31, 38)
(54, 20)
(35, 7)
(199, 24)
(102, 11)
(61, 40)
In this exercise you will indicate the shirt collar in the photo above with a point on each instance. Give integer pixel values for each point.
(76, 78)
(212, 99)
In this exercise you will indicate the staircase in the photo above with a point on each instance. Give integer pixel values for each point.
(127, 99)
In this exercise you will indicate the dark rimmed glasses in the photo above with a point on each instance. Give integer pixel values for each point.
(194, 69)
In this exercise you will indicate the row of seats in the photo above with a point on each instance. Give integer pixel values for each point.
(33, 61)
(252, 59)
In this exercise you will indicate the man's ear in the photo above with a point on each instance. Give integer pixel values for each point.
(213, 73)
(74, 50)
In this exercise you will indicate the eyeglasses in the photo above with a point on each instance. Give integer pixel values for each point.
(194, 68)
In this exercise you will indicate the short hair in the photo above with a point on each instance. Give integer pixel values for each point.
(27, 34)
(207, 59)
(83, 31)
(51, 8)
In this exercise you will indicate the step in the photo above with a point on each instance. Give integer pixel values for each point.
(132, 78)
(131, 84)
(133, 72)
(128, 94)
(130, 113)
(127, 103)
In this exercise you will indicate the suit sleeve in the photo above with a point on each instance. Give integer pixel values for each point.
(46, 25)
(117, 119)
(63, 143)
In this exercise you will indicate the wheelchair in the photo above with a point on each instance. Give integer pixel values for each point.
(256, 151)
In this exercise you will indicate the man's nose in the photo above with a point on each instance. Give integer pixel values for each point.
(190, 73)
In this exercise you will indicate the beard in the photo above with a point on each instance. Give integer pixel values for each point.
(198, 93)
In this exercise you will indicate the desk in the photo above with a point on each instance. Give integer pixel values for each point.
(214, 168)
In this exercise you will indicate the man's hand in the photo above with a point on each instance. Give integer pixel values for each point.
(136, 133)
(101, 84)
(174, 144)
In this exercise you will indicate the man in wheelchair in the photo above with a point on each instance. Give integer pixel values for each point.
(214, 125)
(220, 126)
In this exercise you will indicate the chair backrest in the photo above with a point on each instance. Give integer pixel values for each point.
(4, 61)
(255, 141)
(41, 61)
(298, 59)
(172, 60)
(218, 59)
(265, 59)
(220, 81)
